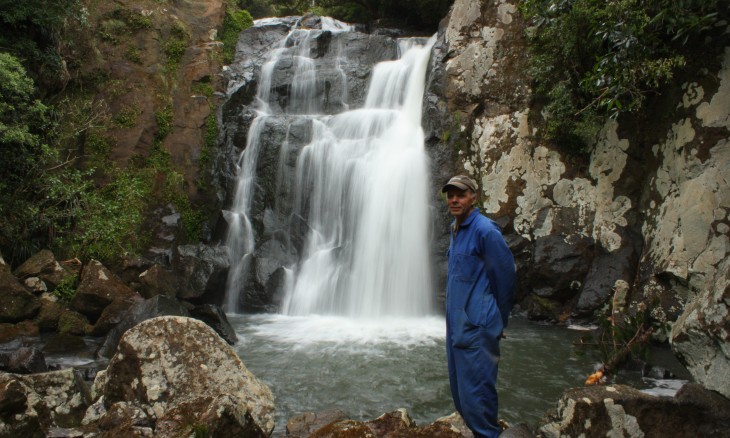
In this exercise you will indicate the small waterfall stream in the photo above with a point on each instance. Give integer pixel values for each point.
(360, 185)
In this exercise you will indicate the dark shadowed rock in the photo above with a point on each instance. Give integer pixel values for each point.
(113, 314)
(159, 305)
(167, 361)
(49, 313)
(8, 332)
(64, 343)
(16, 302)
(215, 317)
(518, 431)
(224, 416)
(97, 289)
(158, 281)
(43, 265)
(26, 360)
(560, 265)
(618, 410)
(200, 269)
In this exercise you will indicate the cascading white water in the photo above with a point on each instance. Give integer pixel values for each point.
(361, 185)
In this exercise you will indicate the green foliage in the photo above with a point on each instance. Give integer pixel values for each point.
(236, 20)
(257, 8)
(66, 289)
(37, 189)
(419, 14)
(33, 31)
(112, 221)
(595, 59)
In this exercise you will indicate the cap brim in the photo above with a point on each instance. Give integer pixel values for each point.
(457, 185)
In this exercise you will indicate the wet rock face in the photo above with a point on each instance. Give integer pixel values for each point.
(164, 362)
(623, 411)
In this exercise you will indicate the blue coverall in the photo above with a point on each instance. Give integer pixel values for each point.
(479, 297)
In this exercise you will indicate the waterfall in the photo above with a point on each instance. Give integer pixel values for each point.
(360, 184)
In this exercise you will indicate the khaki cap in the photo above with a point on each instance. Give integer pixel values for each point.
(461, 182)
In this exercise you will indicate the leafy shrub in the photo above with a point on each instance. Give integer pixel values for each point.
(594, 59)
(38, 191)
(66, 289)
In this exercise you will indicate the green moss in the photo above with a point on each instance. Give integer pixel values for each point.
(236, 21)
(133, 55)
(164, 122)
(126, 117)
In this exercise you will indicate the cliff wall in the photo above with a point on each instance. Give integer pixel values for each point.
(640, 224)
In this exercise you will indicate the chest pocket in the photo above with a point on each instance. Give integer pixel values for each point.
(465, 267)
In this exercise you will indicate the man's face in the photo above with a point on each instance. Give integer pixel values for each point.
(460, 202)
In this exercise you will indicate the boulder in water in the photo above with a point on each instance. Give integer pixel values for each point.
(167, 361)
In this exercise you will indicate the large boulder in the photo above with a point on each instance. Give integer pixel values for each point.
(98, 288)
(167, 361)
(42, 265)
(619, 410)
(16, 303)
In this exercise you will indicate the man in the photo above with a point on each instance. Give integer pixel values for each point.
(479, 297)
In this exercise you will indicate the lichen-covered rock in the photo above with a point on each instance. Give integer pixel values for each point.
(38, 402)
(619, 410)
(97, 289)
(166, 361)
(43, 265)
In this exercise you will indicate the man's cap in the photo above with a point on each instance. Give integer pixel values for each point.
(461, 182)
